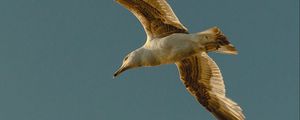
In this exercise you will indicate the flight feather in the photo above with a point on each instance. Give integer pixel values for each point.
(204, 81)
(156, 16)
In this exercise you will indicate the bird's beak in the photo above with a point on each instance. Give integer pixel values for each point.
(120, 70)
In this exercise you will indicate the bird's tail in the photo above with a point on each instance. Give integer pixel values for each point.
(214, 40)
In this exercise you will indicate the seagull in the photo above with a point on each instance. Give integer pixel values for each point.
(169, 42)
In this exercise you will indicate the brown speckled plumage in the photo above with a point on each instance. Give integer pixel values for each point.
(156, 17)
(203, 79)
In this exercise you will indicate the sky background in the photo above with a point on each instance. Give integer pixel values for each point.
(57, 58)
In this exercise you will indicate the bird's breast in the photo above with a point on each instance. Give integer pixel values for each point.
(172, 48)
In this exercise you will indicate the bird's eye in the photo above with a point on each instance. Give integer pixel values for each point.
(125, 58)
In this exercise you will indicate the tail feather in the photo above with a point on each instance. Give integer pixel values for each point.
(216, 41)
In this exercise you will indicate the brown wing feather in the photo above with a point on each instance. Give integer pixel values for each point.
(156, 16)
(203, 79)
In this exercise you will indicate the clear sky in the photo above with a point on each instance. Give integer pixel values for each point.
(57, 58)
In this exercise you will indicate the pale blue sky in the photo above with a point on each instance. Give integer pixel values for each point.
(57, 58)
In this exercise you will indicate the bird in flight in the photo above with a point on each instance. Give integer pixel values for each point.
(169, 42)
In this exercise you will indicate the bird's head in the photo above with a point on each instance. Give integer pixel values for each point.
(132, 60)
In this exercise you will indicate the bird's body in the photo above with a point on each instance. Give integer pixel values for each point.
(169, 49)
(169, 42)
(172, 48)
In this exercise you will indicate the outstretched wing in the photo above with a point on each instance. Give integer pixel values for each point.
(203, 79)
(156, 16)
